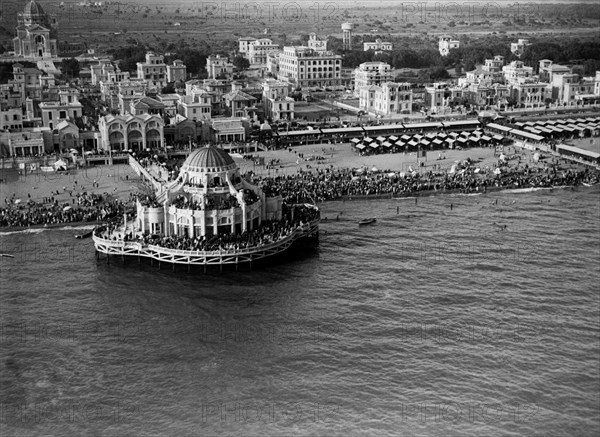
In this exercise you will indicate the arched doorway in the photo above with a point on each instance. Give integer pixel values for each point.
(153, 139)
(116, 140)
(183, 227)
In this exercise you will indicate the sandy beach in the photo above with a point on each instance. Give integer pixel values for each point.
(117, 180)
(120, 180)
(342, 156)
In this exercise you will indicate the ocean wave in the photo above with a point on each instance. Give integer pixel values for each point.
(40, 230)
(24, 231)
(533, 189)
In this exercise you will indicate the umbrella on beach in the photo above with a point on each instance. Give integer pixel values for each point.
(17, 201)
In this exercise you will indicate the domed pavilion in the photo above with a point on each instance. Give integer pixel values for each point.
(208, 215)
(209, 198)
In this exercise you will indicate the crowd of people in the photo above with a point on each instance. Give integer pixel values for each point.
(33, 214)
(268, 232)
(332, 184)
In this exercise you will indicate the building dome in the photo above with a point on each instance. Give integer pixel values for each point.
(33, 9)
(208, 159)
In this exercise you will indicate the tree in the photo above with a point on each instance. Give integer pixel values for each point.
(71, 67)
(240, 62)
(169, 89)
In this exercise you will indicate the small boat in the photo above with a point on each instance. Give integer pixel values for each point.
(86, 235)
(367, 221)
(7, 255)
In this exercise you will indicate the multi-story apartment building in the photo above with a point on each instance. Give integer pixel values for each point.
(378, 45)
(515, 71)
(388, 99)
(218, 66)
(153, 70)
(244, 44)
(177, 72)
(105, 71)
(490, 71)
(548, 70)
(11, 118)
(276, 101)
(371, 73)
(259, 49)
(305, 67)
(531, 93)
(130, 90)
(67, 107)
(574, 90)
(196, 106)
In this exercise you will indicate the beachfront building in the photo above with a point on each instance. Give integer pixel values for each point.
(371, 73)
(530, 94)
(573, 90)
(276, 101)
(228, 130)
(131, 132)
(153, 70)
(67, 107)
(378, 45)
(517, 48)
(22, 144)
(218, 67)
(446, 43)
(305, 67)
(548, 70)
(390, 98)
(436, 97)
(259, 49)
(516, 71)
(36, 33)
(177, 71)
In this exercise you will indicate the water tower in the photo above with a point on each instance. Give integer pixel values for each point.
(347, 35)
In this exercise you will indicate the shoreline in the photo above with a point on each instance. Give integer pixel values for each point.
(82, 225)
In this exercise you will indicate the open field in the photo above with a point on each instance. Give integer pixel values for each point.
(215, 23)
